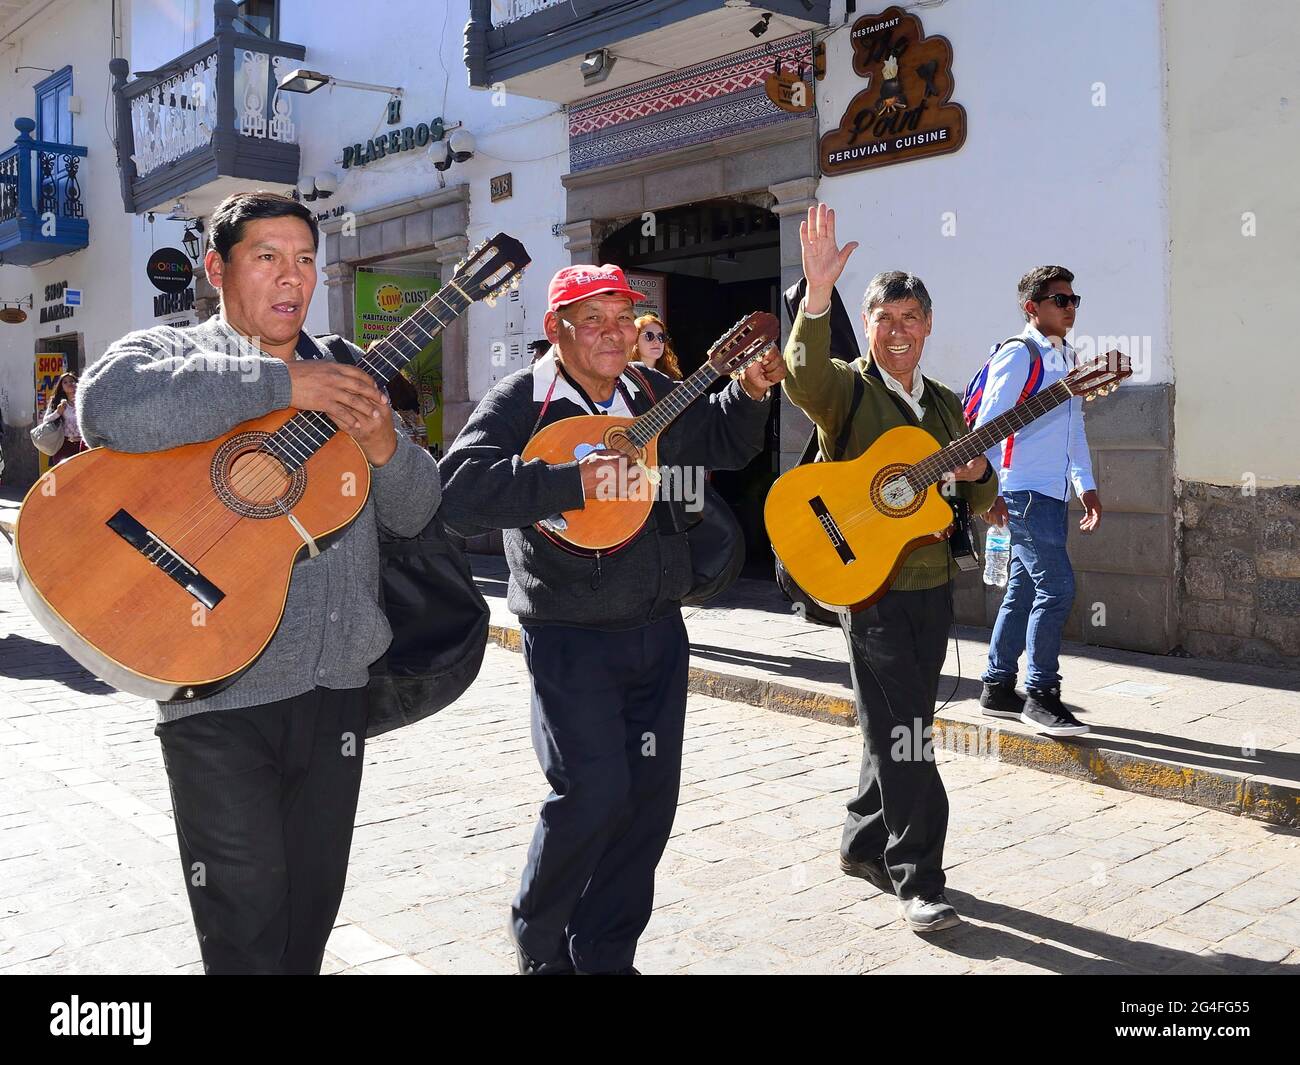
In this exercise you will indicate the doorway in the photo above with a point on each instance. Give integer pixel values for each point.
(719, 260)
(66, 344)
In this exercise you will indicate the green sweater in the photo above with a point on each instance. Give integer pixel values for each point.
(822, 388)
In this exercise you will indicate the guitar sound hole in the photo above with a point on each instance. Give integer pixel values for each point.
(253, 483)
(618, 440)
(892, 495)
(257, 478)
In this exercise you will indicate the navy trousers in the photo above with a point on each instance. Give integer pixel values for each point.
(608, 713)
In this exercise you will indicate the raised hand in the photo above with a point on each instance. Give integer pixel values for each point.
(823, 258)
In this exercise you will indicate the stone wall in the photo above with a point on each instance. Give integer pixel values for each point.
(1240, 587)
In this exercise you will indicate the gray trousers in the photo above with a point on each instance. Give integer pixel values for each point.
(900, 813)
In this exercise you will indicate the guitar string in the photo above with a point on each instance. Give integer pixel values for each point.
(306, 430)
(657, 420)
(290, 437)
(927, 467)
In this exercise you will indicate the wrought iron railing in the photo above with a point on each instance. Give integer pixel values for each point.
(40, 178)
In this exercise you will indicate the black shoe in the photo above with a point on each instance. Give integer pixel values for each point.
(530, 966)
(873, 872)
(1000, 699)
(1045, 712)
(929, 915)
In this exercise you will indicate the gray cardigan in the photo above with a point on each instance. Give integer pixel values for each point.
(163, 387)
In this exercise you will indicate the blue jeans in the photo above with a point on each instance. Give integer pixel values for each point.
(1040, 590)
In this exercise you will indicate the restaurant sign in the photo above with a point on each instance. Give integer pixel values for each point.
(905, 110)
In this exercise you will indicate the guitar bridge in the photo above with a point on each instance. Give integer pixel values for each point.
(166, 559)
(832, 531)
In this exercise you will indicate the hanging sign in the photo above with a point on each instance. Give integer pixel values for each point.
(787, 88)
(170, 271)
(904, 112)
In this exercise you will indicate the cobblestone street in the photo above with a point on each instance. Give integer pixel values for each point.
(1052, 874)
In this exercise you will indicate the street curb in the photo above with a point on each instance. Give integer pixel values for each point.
(1258, 798)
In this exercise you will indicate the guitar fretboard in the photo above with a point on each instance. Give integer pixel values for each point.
(654, 421)
(931, 470)
(307, 431)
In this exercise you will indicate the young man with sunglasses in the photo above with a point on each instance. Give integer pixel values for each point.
(1037, 467)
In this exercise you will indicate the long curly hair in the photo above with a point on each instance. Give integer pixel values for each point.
(58, 393)
(668, 360)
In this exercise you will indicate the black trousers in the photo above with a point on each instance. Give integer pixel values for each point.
(896, 651)
(264, 800)
(608, 714)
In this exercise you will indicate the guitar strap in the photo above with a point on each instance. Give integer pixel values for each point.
(842, 438)
(591, 404)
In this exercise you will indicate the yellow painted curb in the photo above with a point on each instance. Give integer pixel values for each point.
(1260, 800)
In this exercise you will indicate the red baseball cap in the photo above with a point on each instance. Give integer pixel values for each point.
(575, 283)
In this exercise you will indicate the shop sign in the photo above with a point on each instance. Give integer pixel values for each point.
(904, 111)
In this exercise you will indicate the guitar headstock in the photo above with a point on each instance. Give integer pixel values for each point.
(1103, 374)
(744, 342)
(491, 268)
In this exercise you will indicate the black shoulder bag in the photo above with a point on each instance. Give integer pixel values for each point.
(438, 617)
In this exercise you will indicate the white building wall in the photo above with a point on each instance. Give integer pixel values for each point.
(76, 32)
(1045, 176)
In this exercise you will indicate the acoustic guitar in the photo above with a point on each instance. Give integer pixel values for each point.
(166, 573)
(608, 521)
(843, 529)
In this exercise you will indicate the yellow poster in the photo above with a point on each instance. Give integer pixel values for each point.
(49, 368)
(383, 301)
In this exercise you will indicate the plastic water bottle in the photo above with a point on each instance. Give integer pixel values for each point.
(997, 556)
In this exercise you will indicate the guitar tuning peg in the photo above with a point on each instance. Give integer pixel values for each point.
(490, 299)
(460, 265)
(514, 282)
(1090, 397)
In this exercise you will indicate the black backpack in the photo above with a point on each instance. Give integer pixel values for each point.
(438, 617)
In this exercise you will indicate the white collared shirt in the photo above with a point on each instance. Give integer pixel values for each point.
(546, 373)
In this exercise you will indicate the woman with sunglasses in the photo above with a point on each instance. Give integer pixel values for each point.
(654, 348)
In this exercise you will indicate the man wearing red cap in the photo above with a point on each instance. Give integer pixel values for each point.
(603, 636)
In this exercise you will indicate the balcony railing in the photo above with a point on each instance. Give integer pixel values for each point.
(533, 46)
(504, 11)
(42, 214)
(215, 111)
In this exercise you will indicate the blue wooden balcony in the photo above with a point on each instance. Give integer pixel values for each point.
(209, 123)
(42, 215)
(535, 47)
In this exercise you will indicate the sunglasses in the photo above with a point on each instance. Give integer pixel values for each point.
(1062, 300)
(651, 335)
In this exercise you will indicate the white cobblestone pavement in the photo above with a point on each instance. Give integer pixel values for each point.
(1052, 874)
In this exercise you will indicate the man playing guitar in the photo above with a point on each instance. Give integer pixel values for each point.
(897, 823)
(265, 773)
(602, 634)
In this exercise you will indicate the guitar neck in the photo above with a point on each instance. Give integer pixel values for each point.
(393, 353)
(654, 421)
(931, 470)
(308, 431)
